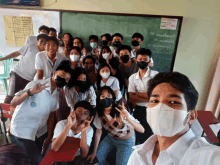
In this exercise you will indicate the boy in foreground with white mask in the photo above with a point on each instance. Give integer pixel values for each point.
(172, 100)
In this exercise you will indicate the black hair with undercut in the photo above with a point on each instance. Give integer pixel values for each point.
(108, 36)
(178, 81)
(52, 29)
(44, 36)
(89, 57)
(43, 27)
(77, 49)
(143, 51)
(122, 47)
(138, 35)
(99, 107)
(52, 39)
(82, 43)
(76, 73)
(117, 35)
(96, 38)
(86, 105)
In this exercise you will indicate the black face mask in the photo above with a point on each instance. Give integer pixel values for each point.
(60, 82)
(117, 44)
(125, 58)
(135, 43)
(107, 102)
(104, 42)
(142, 64)
(80, 84)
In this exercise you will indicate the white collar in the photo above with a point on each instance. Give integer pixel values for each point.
(147, 74)
(176, 150)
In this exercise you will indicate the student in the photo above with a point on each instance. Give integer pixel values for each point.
(67, 44)
(47, 61)
(77, 125)
(137, 40)
(170, 113)
(120, 125)
(35, 105)
(105, 54)
(128, 65)
(24, 71)
(93, 40)
(117, 40)
(80, 88)
(33, 39)
(107, 40)
(89, 65)
(79, 42)
(137, 90)
(75, 56)
(52, 32)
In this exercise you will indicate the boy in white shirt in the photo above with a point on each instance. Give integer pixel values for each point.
(77, 125)
(137, 89)
(172, 100)
(24, 71)
(46, 62)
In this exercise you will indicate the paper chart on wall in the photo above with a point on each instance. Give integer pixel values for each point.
(17, 28)
(167, 23)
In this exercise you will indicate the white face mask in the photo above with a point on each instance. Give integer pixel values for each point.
(105, 55)
(74, 57)
(105, 75)
(166, 121)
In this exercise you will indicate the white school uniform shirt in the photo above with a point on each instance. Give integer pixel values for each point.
(31, 40)
(113, 83)
(42, 62)
(187, 150)
(27, 120)
(25, 67)
(60, 126)
(99, 50)
(136, 84)
(134, 55)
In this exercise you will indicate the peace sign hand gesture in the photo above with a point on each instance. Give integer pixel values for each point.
(123, 112)
(86, 124)
(38, 88)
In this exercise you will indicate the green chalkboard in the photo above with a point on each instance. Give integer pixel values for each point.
(162, 42)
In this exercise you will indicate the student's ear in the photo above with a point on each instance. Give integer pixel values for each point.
(140, 42)
(38, 31)
(193, 114)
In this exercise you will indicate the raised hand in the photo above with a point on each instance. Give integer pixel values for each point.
(123, 112)
(86, 124)
(38, 88)
(71, 119)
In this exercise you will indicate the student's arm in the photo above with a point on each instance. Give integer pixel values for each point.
(126, 83)
(98, 134)
(134, 97)
(116, 93)
(12, 55)
(58, 142)
(40, 74)
(17, 100)
(142, 94)
(151, 64)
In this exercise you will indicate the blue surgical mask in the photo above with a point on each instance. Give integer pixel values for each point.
(93, 45)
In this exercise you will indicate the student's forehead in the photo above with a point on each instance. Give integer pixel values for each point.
(117, 38)
(124, 51)
(51, 42)
(105, 92)
(105, 68)
(76, 40)
(142, 56)
(136, 38)
(88, 60)
(81, 108)
(104, 38)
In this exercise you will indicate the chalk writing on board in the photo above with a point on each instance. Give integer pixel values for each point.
(17, 28)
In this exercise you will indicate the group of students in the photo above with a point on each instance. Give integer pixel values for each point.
(62, 89)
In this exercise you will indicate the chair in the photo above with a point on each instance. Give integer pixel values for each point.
(6, 74)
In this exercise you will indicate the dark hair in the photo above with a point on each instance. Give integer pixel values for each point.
(77, 49)
(44, 36)
(108, 36)
(80, 41)
(105, 47)
(99, 77)
(52, 39)
(179, 82)
(96, 38)
(89, 57)
(86, 105)
(71, 39)
(65, 68)
(143, 51)
(117, 35)
(138, 35)
(99, 106)
(43, 27)
(114, 62)
(122, 47)
(65, 63)
(52, 29)
(76, 73)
